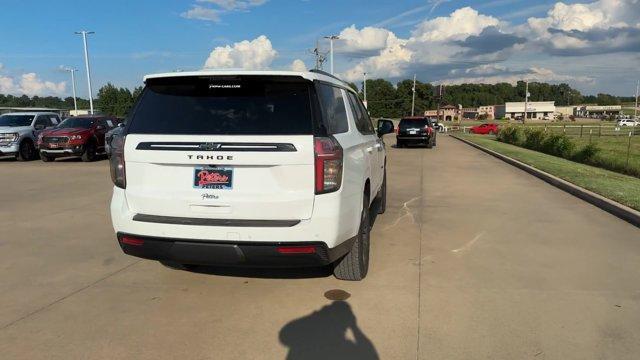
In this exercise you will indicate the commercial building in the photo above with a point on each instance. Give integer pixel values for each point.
(542, 110)
(447, 113)
(565, 111)
(488, 111)
(9, 109)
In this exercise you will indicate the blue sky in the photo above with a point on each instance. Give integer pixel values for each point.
(595, 46)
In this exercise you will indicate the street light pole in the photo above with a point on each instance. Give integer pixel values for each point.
(526, 101)
(413, 99)
(364, 89)
(635, 110)
(331, 38)
(86, 63)
(73, 86)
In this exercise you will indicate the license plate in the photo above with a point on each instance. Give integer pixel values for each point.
(209, 177)
(53, 146)
(412, 132)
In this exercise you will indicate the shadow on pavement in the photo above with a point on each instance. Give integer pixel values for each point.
(323, 334)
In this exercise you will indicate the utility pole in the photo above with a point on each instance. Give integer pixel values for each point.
(526, 101)
(73, 86)
(320, 57)
(331, 38)
(635, 110)
(413, 99)
(86, 63)
(364, 89)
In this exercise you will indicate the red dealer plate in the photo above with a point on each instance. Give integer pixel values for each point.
(211, 177)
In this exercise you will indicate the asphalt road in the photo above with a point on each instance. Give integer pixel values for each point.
(474, 259)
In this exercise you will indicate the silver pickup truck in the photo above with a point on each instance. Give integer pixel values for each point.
(19, 133)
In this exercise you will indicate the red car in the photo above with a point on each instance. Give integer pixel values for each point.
(485, 129)
(81, 136)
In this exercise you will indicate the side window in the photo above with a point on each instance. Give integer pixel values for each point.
(363, 123)
(42, 121)
(333, 109)
(54, 120)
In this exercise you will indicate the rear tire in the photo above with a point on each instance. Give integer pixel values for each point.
(26, 151)
(355, 265)
(89, 153)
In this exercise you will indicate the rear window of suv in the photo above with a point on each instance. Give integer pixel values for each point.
(248, 105)
(413, 123)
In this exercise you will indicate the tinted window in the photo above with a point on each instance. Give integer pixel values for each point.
(334, 113)
(413, 123)
(16, 120)
(363, 123)
(42, 120)
(77, 122)
(224, 105)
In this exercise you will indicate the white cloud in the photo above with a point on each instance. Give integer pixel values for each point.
(252, 55)
(434, 42)
(202, 13)
(298, 65)
(486, 69)
(582, 29)
(234, 4)
(505, 75)
(30, 84)
(458, 26)
(367, 40)
(199, 12)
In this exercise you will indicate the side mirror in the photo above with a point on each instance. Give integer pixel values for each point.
(385, 127)
(99, 127)
(39, 127)
(121, 124)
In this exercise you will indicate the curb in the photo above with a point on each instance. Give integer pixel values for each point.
(622, 211)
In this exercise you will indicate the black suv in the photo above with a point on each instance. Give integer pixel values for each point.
(416, 130)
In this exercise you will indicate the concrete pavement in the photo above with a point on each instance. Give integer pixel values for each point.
(473, 259)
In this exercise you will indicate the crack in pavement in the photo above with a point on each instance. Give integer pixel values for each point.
(408, 212)
(468, 245)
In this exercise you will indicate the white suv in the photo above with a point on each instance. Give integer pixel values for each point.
(254, 168)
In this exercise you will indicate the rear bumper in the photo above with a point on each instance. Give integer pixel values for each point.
(416, 138)
(334, 220)
(225, 253)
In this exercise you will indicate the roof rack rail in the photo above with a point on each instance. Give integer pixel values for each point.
(328, 74)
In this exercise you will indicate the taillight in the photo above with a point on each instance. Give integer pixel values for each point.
(328, 164)
(118, 174)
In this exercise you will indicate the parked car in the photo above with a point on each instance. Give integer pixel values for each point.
(627, 122)
(246, 168)
(108, 137)
(19, 131)
(416, 130)
(81, 136)
(485, 129)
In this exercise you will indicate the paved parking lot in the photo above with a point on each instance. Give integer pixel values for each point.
(474, 259)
